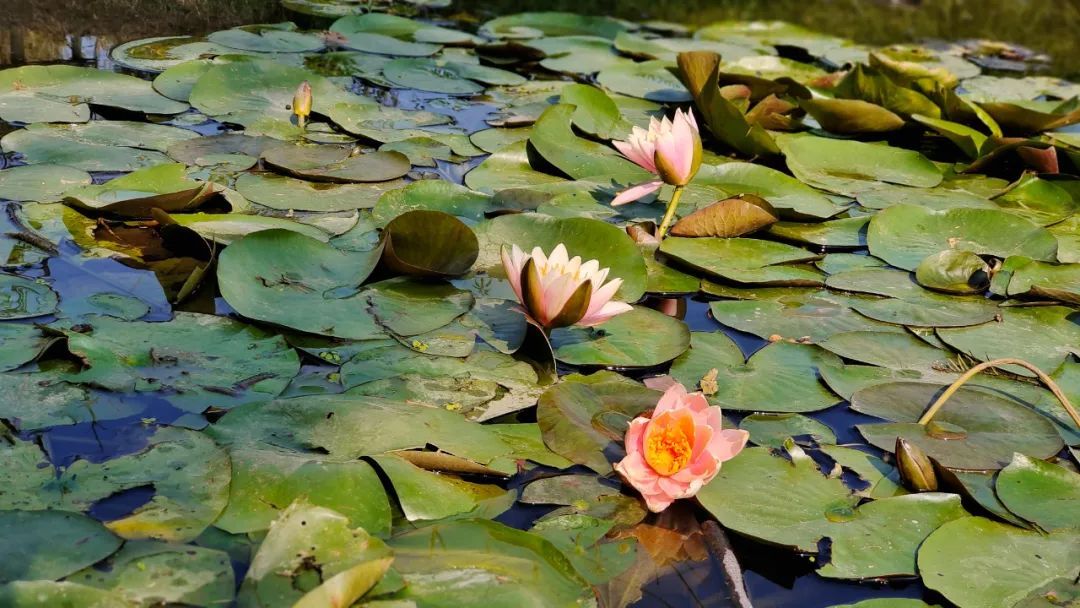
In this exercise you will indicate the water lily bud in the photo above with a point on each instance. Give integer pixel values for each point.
(916, 470)
(559, 291)
(301, 102)
(671, 149)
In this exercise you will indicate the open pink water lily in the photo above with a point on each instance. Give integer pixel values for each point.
(674, 452)
(559, 291)
(671, 149)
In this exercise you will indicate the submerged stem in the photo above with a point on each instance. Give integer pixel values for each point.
(670, 213)
(971, 373)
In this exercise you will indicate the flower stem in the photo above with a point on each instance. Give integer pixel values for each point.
(672, 205)
(971, 373)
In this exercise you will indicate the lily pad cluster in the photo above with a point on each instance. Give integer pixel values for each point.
(303, 326)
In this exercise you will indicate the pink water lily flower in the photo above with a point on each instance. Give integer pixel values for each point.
(671, 149)
(559, 291)
(674, 452)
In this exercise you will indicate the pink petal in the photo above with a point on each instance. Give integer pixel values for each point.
(677, 154)
(513, 271)
(660, 383)
(671, 399)
(657, 503)
(635, 154)
(633, 193)
(635, 433)
(556, 295)
(671, 487)
(727, 444)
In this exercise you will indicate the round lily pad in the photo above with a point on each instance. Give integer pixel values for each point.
(51, 544)
(96, 146)
(814, 315)
(904, 235)
(642, 337)
(22, 298)
(325, 163)
(975, 430)
(646, 80)
(886, 349)
(289, 193)
(1042, 335)
(1022, 562)
(743, 260)
(41, 183)
(844, 166)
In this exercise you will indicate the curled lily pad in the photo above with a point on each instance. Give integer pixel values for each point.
(849, 232)
(953, 271)
(1023, 562)
(908, 303)
(1023, 276)
(324, 163)
(904, 235)
(975, 430)
(728, 218)
(63, 93)
(429, 243)
(579, 158)
(160, 53)
(432, 195)
(166, 187)
(851, 115)
(640, 338)
(783, 192)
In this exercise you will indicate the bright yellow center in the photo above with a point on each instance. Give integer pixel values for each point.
(668, 445)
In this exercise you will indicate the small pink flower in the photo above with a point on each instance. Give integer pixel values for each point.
(676, 451)
(558, 291)
(670, 148)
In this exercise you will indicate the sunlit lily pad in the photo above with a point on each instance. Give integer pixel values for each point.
(1042, 335)
(96, 146)
(640, 338)
(844, 166)
(909, 304)
(1023, 562)
(64, 93)
(149, 571)
(41, 183)
(1042, 493)
(274, 38)
(166, 187)
(325, 163)
(535, 25)
(815, 315)
(781, 190)
(742, 260)
(975, 430)
(904, 235)
(772, 429)
(781, 377)
(452, 78)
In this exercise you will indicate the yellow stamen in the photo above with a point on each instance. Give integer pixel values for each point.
(668, 449)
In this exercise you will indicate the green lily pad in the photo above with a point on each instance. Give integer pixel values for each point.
(975, 430)
(166, 187)
(953, 271)
(909, 304)
(1022, 562)
(147, 572)
(265, 480)
(870, 541)
(449, 77)
(739, 259)
(431, 195)
(64, 93)
(537, 24)
(41, 183)
(904, 235)
(187, 499)
(843, 166)
(588, 238)
(584, 418)
(424, 495)
(271, 276)
(1040, 492)
(554, 139)
(813, 314)
(886, 349)
(771, 430)
(508, 168)
(22, 298)
(727, 218)
(273, 38)
(1041, 335)
(781, 190)
(848, 232)
(184, 360)
(323, 163)
(20, 343)
(781, 377)
(642, 337)
(349, 561)
(51, 544)
(1038, 200)
(285, 193)
(226, 228)
(96, 146)
(429, 243)
(370, 42)
(160, 53)
(31, 594)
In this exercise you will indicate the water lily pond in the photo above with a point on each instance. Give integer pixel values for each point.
(388, 306)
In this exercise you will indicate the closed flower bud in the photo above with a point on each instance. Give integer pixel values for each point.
(916, 470)
(301, 103)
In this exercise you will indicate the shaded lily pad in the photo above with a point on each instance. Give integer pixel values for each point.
(429, 243)
(642, 337)
(848, 232)
(953, 271)
(584, 418)
(51, 544)
(166, 187)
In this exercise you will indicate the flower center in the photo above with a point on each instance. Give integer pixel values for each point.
(667, 449)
